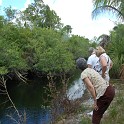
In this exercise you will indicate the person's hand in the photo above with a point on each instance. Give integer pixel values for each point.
(103, 75)
(95, 105)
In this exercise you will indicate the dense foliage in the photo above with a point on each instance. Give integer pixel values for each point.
(37, 40)
(116, 49)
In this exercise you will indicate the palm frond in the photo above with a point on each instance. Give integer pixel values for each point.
(109, 9)
(114, 7)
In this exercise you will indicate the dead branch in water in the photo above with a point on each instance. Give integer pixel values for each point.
(4, 91)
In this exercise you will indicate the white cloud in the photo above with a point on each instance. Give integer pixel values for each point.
(0, 2)
(78, 15)
(94, 28)
(26, 4)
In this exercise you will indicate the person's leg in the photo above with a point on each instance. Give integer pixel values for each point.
(103, 103)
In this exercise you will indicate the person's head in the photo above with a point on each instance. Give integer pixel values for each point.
(99, 51)
(91, 50)
(81, 63)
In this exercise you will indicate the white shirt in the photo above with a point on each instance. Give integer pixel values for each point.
(92, 60)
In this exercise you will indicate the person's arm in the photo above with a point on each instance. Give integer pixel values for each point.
(111, 64)
(103, 62)
(89, 62)
(91, 89)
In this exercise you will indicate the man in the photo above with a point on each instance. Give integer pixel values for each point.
(93, 59)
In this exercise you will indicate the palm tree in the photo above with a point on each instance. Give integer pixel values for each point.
(104, 40)
(116, 7)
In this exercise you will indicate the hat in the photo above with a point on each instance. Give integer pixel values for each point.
(81, 63)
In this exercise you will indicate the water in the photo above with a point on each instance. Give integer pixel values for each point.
(29, 100)
(33, 116)
(76, 90)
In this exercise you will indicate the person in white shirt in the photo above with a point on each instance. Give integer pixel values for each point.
(93, 59)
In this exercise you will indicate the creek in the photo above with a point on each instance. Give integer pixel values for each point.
(28, 100)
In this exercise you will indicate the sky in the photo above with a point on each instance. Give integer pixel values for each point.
(76, 13)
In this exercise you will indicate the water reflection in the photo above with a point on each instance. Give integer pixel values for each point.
(76, 90)
(33, 116)
(28, 99)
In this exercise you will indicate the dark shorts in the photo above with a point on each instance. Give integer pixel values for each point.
(103, 103)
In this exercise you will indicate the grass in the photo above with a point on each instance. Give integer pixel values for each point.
(85, 121)
(116, 110)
